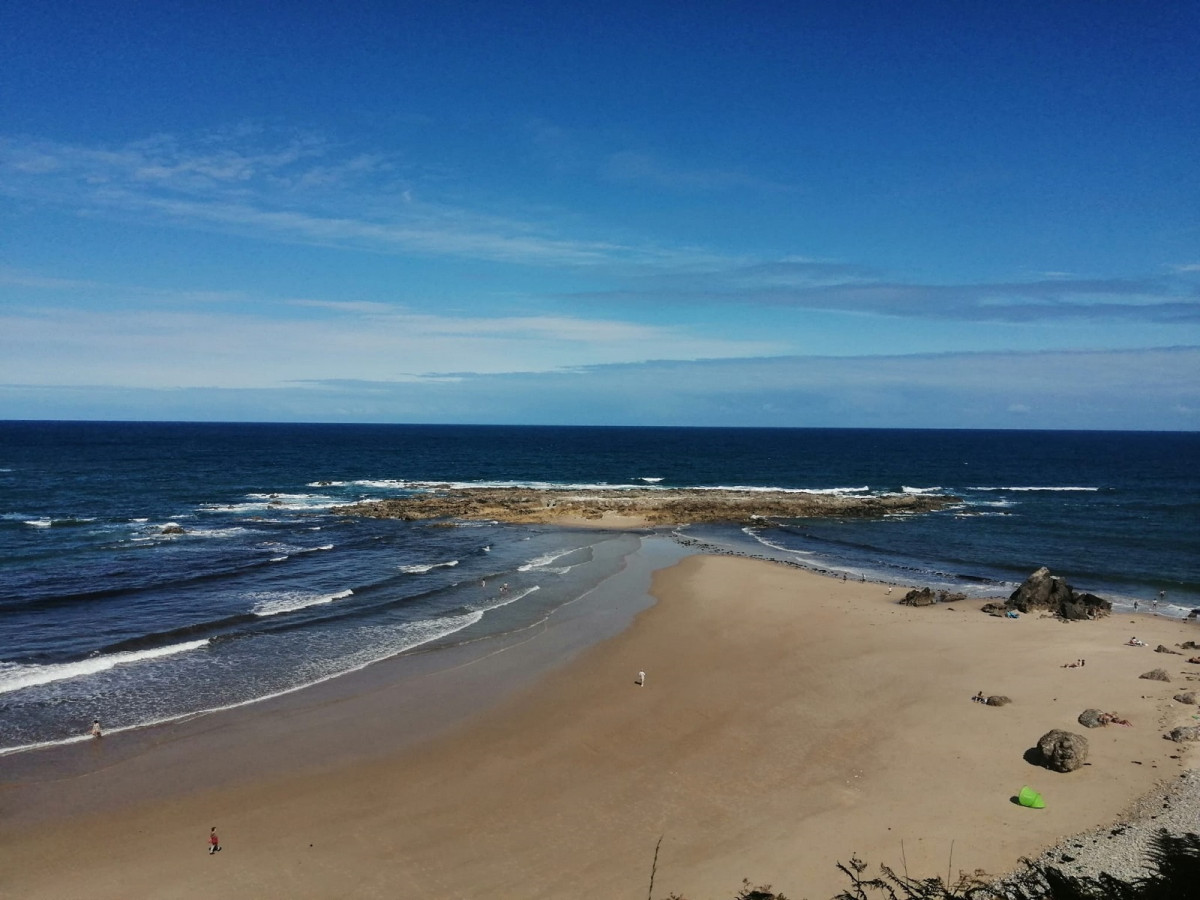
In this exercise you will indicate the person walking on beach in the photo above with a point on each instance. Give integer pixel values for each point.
(96, 732)
(641, 679)
(214, 842)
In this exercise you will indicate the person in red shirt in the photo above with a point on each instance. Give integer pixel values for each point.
(214, 842)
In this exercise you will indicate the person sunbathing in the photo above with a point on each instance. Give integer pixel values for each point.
(1134, 642)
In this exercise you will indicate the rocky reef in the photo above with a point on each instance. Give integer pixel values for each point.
(659, 506)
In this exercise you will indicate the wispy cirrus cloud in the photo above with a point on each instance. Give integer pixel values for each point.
(842, 288)
(302, 189)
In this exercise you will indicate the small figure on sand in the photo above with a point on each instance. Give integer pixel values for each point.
(1134, 642)
(1114, 719)
(979, 698)
(96, 732)
(214, 842)
(641, 679)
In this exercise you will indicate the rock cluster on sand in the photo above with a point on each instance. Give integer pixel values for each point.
(1156, 675)
(653, 506)
(1043, 591)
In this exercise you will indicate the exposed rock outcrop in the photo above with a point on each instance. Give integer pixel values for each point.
(1189, 698)
(653, 506)
(1156, 675)
(927, 597)
(1163, 648)
(1090, 718)
(998, 700)
(1042, 590)
(1063, 751)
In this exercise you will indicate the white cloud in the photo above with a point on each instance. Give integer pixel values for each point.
(203, 348)
(1150, 389)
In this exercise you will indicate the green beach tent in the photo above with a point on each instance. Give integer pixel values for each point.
(1031, 798)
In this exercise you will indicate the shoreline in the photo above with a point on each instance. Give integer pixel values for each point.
(786, 715)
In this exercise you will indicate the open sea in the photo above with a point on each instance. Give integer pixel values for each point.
(155, 571)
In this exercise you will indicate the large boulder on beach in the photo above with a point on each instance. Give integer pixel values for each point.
(998, 700)
(1063, 751)
(1163, 648)
(1041, 590)
(1188, 698)
(1090, 718)
(1156, 675)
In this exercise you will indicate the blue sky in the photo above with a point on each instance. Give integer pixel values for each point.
(795, 214)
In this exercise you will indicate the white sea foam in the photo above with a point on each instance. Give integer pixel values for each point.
(646, 483)
(865, 489)
(422, 568)
(528, 485)
(916, 490)
(16, 676)
(541, 562)
(259, 503)
(406, 637)
(1016, 489)
(295, 551)
(217, 532)
(273, 604)
(759, 536)
(39, 523)
(506, 597)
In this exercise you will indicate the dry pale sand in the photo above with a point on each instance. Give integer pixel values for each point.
(788, 721)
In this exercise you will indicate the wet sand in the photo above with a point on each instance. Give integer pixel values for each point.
(788, 721)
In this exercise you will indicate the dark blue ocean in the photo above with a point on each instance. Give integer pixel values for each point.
(152, 571)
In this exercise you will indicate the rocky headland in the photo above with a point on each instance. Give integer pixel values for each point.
(651, 506)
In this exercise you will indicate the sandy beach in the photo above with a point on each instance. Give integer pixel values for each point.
(788, 721)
